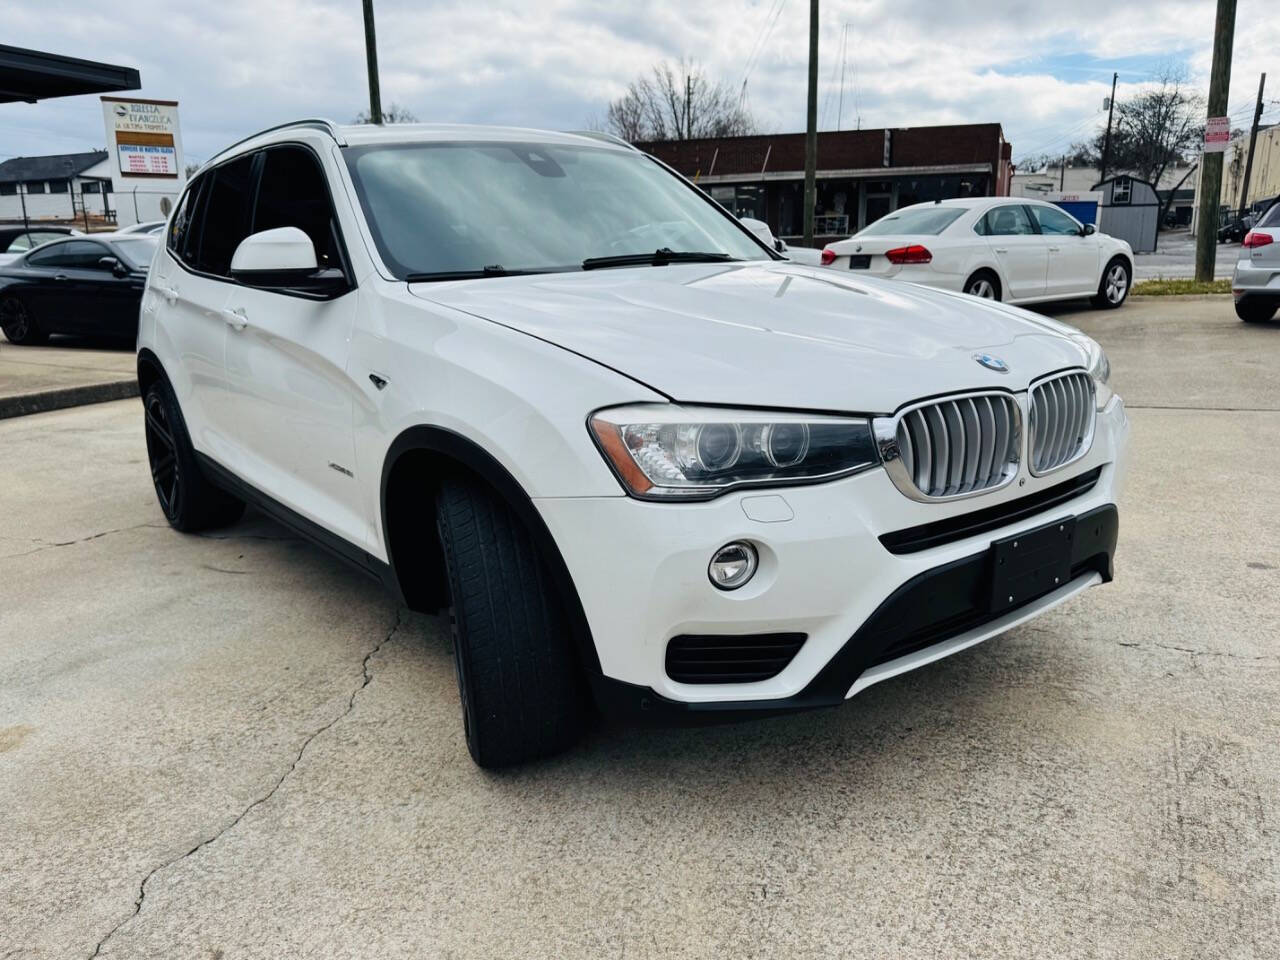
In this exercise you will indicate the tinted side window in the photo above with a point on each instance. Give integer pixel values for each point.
(1009, 221)
(1055, 222)
(180, 224)
(83, 255)
(982, 228)
(227, 204)
(293, 193)
(49, 257)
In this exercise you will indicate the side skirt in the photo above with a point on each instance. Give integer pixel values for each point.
(328, 541)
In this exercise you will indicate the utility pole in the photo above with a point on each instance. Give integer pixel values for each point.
(1062, 174)
(1253, 139)
(811, 128)
(1106, 141)
(371, 55)
(22, 192)
(1224, 30)
(688, 107)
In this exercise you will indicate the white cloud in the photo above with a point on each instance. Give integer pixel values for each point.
(238, 65)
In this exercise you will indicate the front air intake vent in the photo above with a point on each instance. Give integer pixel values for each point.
(1061, 421)
(953, 448)
(718, 658)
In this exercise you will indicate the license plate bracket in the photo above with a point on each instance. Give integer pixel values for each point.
(860, 261)
(1031, 564)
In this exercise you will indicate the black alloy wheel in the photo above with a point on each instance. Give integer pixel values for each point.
(162, 451)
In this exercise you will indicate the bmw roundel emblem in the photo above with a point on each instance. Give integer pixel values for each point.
(991, 363)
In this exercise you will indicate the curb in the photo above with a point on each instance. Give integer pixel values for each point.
(25, 404)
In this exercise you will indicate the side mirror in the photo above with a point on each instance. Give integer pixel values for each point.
(282, 259)
(1088, 230)
(761, 230)
(114, 265)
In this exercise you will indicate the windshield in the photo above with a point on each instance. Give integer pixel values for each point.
(441, 208)
(927, 221)
(137, 251)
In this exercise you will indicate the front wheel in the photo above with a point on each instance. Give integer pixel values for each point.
(18, 324)
(1113, 288)
(1255, 311)
(518, 678)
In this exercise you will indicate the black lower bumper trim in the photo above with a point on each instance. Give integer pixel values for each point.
(930, 608)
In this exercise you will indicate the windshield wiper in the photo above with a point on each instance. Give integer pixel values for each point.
(495, 270)
(659, 258)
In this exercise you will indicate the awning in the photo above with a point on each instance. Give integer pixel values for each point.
(29, 75)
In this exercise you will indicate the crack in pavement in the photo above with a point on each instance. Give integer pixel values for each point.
(1197, 653)
(49, 544)
(365, 678)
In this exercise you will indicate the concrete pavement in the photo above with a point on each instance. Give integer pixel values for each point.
(66, 373)
(231, 746)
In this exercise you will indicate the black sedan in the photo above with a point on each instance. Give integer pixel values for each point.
(82, 285)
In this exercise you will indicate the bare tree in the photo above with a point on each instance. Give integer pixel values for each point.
(678, 102)
(1152, 130)
(392, 114)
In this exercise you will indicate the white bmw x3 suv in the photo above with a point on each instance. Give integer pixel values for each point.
(543, 381)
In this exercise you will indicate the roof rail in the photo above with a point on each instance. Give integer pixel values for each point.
(601, 135)
(315, 123)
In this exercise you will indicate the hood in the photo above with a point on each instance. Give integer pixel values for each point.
(771, 334)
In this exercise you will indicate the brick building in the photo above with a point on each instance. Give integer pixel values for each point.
(862, 174)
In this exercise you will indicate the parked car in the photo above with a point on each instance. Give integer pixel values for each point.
(147, 227)
(543, 381)
(15, 241)
(82, 285)
(1255, 283)
(999, 248)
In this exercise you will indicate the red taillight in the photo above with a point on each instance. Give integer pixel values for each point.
(828, 257)
(1255, 238)
(912, 254)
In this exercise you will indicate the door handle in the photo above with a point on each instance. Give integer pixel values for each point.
(1002, 249)
(1055, 249)
(169, 293)
(59, 276)
(235, 319)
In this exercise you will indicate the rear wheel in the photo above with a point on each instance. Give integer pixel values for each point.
(522, 694)
(1113, 288)
(1255, 311)
(189, 501)
(983, 284)
(18, 324)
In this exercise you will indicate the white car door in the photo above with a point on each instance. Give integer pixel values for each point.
(187, 291)
(1073, 267)
(1018, 248)
(286, 360)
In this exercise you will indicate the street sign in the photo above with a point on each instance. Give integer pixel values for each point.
(1217, 134)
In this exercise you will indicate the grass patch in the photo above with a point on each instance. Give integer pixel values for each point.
(1181, 286)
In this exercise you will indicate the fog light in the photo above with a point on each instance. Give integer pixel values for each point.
(732, 565)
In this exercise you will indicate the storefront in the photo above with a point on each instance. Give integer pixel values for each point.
(862, 175)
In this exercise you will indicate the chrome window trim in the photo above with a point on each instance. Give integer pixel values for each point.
(885, 430)
(1091, 407)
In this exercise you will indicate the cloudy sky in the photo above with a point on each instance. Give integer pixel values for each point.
(1040, 68)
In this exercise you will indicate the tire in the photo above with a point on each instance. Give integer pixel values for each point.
(522, 694)
(1113, 288)
(188, 500)
(983, 284)
(1255, 312)
(18, 323)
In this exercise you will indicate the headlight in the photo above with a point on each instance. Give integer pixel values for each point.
(1099, 368)
(669, 452)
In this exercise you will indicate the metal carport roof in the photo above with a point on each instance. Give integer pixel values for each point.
(29, 75)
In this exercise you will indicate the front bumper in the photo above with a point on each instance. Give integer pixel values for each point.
(867, 612)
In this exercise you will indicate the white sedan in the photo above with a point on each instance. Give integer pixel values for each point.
(999, 248)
